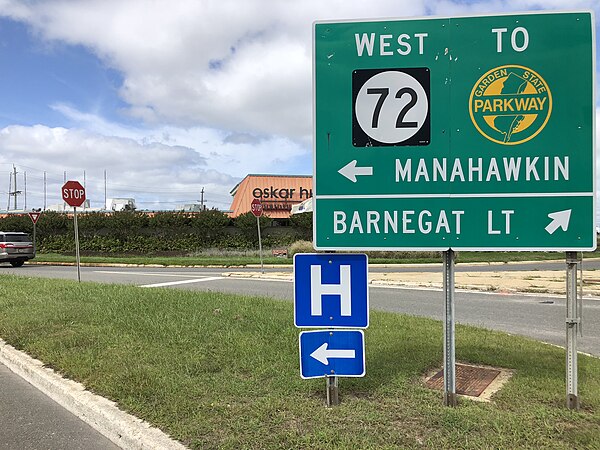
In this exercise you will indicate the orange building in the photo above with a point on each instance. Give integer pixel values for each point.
(276, 192)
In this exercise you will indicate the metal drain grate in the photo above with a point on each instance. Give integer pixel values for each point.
(470, 380)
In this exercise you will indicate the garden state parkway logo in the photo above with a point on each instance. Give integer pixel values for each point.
(510, 104)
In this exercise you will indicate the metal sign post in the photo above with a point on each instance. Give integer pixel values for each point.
(77, 243)
(262, 269)
(449, 344)
(256, 208)
(573, 323)
(333, 398)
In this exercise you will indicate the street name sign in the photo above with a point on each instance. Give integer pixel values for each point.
(472, 133)
(331, 291)
(328, 353)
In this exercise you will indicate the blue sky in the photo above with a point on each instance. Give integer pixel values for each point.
(166, 97)
(40, 74)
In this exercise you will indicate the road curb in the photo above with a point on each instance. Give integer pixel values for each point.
(103, 415)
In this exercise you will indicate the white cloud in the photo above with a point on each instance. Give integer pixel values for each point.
(242, 66)
(225, 64)
(162, 164)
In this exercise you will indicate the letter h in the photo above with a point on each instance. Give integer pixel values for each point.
(318, 289)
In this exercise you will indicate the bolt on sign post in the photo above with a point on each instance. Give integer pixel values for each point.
(257, 209)
(466, 133)
(73, 194)
(34, 216)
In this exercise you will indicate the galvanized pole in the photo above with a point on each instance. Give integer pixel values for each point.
(573, 322)
(9, 191)
(34, 240)
(15, 192)
(260, 245)
(76, 243)
(449, 344)
(333, 398)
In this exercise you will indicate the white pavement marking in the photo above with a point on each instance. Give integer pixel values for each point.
(173, 283)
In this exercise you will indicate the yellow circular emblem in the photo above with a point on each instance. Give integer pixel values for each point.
(510, 104)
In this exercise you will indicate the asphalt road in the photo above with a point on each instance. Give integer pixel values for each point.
(536, 316)
(31, 420)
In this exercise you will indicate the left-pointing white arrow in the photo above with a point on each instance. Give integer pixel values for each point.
(322, 354)
(560, 219)
(350, 171)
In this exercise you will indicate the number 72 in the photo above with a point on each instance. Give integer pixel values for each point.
(383, 94)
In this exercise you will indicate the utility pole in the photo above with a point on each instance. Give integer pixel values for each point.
(9, 189)
(15, 192)
(202, 199)
(25, 189)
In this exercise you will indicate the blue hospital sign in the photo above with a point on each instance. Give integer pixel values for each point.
(330, 291)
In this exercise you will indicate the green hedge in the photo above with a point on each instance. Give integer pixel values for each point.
(138, 232)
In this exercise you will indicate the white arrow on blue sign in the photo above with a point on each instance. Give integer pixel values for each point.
(327, 353)
(331, 291)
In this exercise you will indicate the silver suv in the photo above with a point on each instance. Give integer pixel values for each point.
(15, 248)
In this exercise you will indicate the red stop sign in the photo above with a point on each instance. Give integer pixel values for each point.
(256, 207)
(73, 193)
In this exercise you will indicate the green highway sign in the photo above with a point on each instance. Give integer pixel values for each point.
(465, 133)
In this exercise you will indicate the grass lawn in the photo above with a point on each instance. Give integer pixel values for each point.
(222, 371)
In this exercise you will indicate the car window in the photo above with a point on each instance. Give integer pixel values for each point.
(17, 238)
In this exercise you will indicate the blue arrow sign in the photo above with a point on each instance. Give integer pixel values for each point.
(339, 353)
(330, 290)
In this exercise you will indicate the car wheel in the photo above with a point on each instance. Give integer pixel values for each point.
(17, 263)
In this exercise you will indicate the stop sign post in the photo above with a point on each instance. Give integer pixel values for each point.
(73, 193)
(256, 208)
